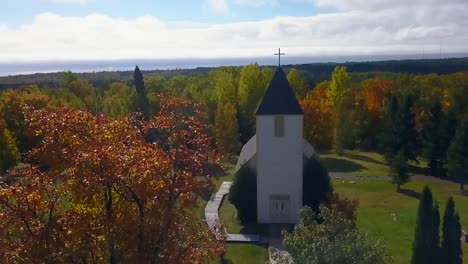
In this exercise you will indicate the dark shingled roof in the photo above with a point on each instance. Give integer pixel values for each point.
(279, 99)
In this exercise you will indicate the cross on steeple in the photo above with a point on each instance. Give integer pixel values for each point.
(279, 54)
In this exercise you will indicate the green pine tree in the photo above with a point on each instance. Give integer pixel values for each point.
(451, 232)
(389, 134)
(434, 139)
(408, 136)
(457, 155)
(316, 183)
(142, 102)
(399, 170)
(425, 246)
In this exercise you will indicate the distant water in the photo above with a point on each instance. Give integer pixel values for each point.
(12, 68)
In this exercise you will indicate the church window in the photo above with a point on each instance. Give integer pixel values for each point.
(279, 126)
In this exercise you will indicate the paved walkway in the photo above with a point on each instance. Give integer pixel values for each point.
(416, 178)
(212, 217)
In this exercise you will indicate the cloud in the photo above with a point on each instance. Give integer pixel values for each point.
(218, 7)
(396, 30)
(380, 4)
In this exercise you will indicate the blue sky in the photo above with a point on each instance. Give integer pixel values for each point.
(14, 13)
(65, 30)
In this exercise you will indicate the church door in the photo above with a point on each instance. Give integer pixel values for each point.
(279, 208)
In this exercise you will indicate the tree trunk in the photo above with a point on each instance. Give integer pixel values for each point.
(109, 215)
(141, 251)
(398, 188)
(462, 186)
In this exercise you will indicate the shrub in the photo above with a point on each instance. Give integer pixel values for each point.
(243, 194)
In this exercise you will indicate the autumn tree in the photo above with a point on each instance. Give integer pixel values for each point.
(14, 102)
(118, 99)
(337, 92)
(253, 82)
(296, 82)
(227, 129)
(142, 103)
(457, 161)
(9, 153)
(102, 192)
(318, 117)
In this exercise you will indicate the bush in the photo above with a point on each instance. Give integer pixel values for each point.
(243, 194)
(316, 183)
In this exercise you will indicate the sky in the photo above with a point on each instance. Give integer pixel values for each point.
(77, 30)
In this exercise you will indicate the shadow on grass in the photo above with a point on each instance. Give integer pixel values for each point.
(417, 170)
(464, 192)
(341, 165)
(254, 228)
(364, 158)
(410, 193)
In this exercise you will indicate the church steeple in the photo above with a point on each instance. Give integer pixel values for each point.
(279, 99)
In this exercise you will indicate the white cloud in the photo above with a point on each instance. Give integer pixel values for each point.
(218, 7)
(380, 4)
(395, 30)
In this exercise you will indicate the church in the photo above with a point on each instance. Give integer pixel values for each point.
(277, 153)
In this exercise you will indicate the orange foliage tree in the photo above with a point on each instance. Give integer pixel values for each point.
(100, 192)
(318, 117)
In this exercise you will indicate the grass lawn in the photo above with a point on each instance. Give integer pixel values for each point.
(361, 163)
(378, 201)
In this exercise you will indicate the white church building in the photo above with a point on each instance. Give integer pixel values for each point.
(277, 153)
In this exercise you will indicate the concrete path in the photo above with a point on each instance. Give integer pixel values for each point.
(212, 217)
(416, 178)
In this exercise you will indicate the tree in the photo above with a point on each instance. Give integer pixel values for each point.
(335, 239)
(9, 153)
(451, 251)
(425, 244)
(438, 132)
(118, 100)
(457, 155)
(318, 117)
(227, 129)
(399, 132)
(316, 184)
(142, 102)
(399, 170)
(337, 92)
(296, 82)
(251, 90)
(103, 193)
(243, 194)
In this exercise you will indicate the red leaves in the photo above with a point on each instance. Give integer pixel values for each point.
(112, 191)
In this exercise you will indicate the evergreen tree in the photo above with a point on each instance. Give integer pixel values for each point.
(451, 232)
(243, 194)
(389, 136)
(433, 139)
(399, 170)
(457, 155)
(142, 103)
(316, 183)
(399, 130)
(408, 135)
(425, 245)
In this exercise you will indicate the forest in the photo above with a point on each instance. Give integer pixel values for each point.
(89, 144)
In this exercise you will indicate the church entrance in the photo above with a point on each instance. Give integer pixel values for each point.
(279, 208)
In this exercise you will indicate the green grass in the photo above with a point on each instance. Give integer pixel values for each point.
(361, 163)
(244, 254)
(378, 200)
